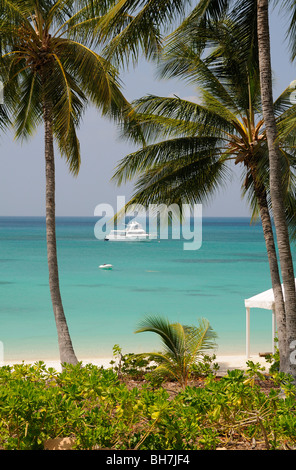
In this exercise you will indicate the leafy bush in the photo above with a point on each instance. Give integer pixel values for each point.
(205, 366)
(131, 365)
(274, 360)
(91, 405)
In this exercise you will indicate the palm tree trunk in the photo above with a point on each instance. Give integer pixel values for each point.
(67, 354)
(276, 194)
(274, 273)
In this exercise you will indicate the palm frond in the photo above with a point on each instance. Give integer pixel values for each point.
(162, 327)
(187, 184)
(290, 7)
(182, 345)
(42, 62)
(178, 151)
(132, 27)
(29, 112)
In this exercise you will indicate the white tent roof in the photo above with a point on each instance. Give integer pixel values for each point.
(263, 300)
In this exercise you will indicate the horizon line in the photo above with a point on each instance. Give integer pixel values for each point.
(95, 217)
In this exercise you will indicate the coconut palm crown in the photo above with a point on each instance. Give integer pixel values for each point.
(47, 58)
(192, 144)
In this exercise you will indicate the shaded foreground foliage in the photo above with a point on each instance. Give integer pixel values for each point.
(100, 411)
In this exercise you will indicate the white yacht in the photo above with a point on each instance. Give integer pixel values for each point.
(106, 266)
(133, 232)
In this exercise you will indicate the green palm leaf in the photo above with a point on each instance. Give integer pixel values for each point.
(190, 146)
(182, 345)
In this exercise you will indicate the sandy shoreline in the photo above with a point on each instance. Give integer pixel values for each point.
(225, 362)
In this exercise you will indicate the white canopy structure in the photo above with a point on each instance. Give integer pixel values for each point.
(264, 300)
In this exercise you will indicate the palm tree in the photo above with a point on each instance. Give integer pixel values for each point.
(276, 186)
(50, 74)
(200, 140)
(183, 346)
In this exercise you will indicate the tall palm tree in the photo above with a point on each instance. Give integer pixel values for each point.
(276, 185)
(199, 140)
(50, 74)
(183, 346)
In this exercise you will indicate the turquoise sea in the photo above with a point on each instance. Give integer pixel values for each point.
(104, 308)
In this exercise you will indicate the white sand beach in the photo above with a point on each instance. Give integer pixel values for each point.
(239, 362)
(225, 362)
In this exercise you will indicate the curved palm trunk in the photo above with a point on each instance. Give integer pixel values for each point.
(67, 354)
(274, 273)
(278, 206)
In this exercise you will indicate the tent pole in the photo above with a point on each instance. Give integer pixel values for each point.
(273, 331)
(248, 332)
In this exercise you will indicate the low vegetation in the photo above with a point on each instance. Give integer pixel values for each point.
(124, 408)
(183, 346)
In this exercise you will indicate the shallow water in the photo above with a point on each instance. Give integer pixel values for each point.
(103, 308)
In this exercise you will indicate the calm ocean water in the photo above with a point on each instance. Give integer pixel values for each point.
(103, 308)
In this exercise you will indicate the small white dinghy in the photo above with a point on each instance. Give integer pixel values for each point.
(106, 266)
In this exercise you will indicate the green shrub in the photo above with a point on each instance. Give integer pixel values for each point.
(205, 366)
(94, 407)
(131, 365)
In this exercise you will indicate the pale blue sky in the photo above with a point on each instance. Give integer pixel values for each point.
(22, 178)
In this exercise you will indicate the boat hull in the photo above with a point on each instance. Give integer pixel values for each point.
(126, 239)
